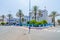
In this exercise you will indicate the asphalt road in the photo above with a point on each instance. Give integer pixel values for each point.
(17, 33)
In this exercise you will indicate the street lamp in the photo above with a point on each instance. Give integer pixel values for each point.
(29, 13)
(29, 8)
(29, 5)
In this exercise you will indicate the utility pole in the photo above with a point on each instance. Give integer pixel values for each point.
(29, 13)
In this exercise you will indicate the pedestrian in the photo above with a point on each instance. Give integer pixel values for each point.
(29, 29)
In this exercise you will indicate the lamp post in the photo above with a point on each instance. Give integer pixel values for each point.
(29, 8)
(29, 13)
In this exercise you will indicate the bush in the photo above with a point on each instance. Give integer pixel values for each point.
(14, 23)
(32, 22)
(43, 22)
(39, 23)
(6, 22)
(28, 22)
(35, 23)
(2, 23)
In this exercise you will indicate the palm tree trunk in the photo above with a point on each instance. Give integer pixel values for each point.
(54, 22)
(9, 20)
(3, 20)
(20, 21)
(35, 16)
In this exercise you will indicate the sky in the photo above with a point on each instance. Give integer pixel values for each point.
(12, 6)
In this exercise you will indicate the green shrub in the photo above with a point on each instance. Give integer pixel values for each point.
(28, 22)
(43, 22)
(6, 22)
(32, 22)
(14, 23)
(39, 23)
(2, 23)
(36, 24)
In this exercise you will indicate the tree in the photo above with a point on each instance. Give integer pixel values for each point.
(35, 11)
(53, 15)
(20, 15)
(9, 17)
(3, 16)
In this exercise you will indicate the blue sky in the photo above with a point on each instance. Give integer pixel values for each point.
(12, 6)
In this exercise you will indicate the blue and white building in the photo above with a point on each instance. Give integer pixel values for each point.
(13, 20)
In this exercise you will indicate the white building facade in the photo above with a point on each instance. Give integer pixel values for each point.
(44, 16)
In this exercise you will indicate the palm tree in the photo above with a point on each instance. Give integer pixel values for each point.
(35, 11)
(3, 16)
(53, 15)
(20, 15)
(9, 17)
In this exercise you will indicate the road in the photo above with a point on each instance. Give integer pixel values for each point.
(21, 33)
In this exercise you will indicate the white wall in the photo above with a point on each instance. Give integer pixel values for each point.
(49, 19)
